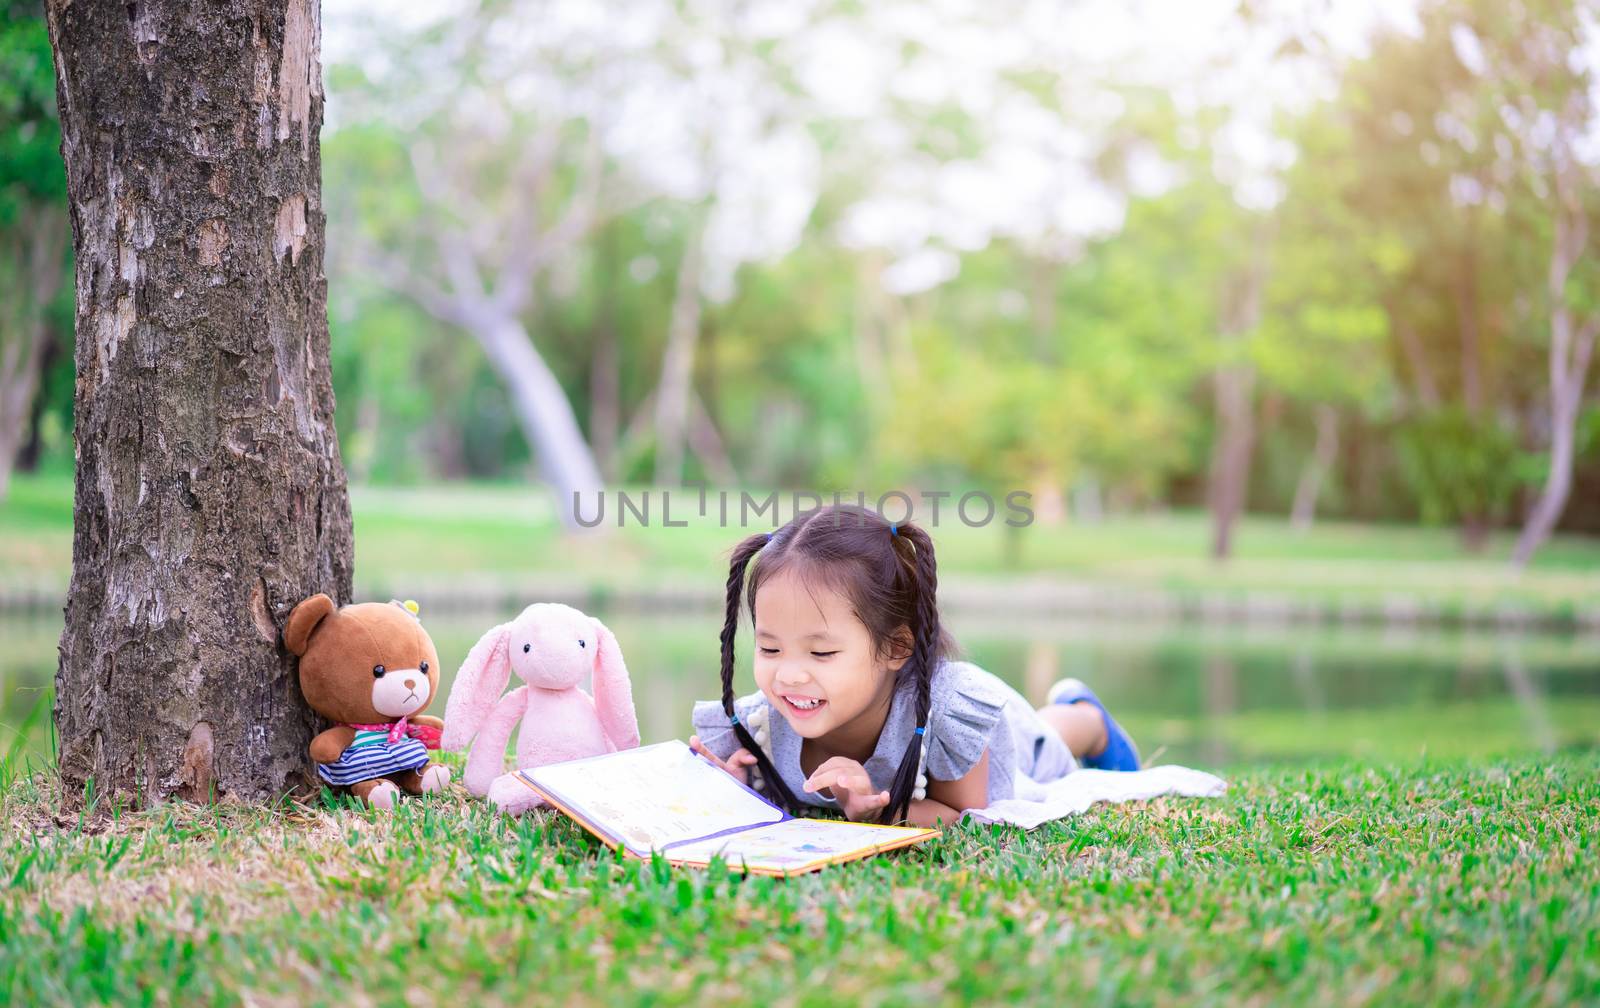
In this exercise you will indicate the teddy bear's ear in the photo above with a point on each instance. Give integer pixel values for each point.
(305, 618)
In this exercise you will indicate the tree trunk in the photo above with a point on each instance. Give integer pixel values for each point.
(677, 367)
(1230, 453)
(706, 442)
(33, 444)
(605, 366)
(704, 438)
(710, 383)
(1467, 322)
(1474, 532)
(1316, 469)
(1043, 302)
(32, 257)
(1566, 400)
(1233, 386)
(543, 409)
(210, 495)
(1571, 349)
(1424, 388)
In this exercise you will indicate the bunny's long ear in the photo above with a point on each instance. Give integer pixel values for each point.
(613, 691)
(479, 683)
(303, 619)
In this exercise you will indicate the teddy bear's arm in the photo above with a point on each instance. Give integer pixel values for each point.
(327, 747)
(428, 720)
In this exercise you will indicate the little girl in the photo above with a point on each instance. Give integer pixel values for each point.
(876, 720)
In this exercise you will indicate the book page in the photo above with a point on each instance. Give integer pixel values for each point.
(795, 844)
(653, 796)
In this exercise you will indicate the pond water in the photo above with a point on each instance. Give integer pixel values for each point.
(1213, 697)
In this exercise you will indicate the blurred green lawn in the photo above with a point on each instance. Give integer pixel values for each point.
(505, 533)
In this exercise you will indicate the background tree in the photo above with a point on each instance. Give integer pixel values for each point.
(1540, 117)
(901, 201)
(1425, 173)
(1323, 343)
(210, 497)
(487, 192)
(33, 225)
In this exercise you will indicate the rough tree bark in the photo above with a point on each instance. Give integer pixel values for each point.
(210, 495)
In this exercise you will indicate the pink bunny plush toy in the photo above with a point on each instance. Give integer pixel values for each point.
(551, 647)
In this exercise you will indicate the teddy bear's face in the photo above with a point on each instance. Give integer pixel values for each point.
(364, 663)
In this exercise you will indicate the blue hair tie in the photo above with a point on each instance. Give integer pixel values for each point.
(733, 719)
(894, 530)
(921, 730)
(769, 537)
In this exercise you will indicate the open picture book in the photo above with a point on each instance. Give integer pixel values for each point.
(668, 798)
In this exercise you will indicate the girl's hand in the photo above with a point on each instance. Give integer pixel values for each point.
(851, 787)
(736, 766)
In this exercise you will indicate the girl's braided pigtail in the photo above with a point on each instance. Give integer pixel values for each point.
(926, 635)
(773, 783)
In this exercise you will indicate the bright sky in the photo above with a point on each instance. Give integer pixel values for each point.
(685, 114)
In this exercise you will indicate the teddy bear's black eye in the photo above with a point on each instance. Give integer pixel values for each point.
(526, 648)
(377, 671)
(582, 644)
(423, 668)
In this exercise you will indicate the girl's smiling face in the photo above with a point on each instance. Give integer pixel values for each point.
(815, 660)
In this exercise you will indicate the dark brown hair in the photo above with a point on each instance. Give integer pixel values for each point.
(888, 574)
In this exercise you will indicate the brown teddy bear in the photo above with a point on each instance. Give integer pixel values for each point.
(371, 669)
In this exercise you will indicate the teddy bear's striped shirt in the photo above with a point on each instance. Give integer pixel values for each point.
(372, 755)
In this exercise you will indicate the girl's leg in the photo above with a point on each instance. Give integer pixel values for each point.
(1093, 736)
(1080, 726)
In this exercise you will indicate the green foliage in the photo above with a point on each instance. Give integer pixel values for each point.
(1462, 466)
(1403, 277)
(30, 134)
(33, 203)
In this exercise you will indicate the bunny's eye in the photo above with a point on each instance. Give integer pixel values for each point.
(377, 671)
(423, 668)
(582, 644)
(526, 648)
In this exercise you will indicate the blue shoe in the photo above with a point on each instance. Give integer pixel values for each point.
(1120, 753)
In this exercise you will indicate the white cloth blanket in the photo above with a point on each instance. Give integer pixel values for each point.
(1080, 789)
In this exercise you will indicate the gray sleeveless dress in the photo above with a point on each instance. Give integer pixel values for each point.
(971, 710)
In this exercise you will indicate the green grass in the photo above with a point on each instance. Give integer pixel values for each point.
(411, 538)
(1428, 882)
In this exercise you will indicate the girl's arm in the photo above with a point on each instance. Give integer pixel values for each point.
(948, 799)
(736, 766)
(847, 780)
